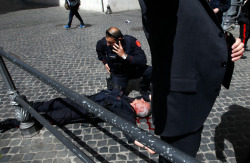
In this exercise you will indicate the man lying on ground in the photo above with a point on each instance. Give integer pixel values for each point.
(62, 111)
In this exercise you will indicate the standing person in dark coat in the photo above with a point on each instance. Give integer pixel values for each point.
(74, 6)
(124, 59)
(62, 111)
(190, 60)
(220, 6)
(244, 21)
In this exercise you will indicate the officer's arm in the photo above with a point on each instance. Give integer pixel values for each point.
(138, 56)
(100, 52)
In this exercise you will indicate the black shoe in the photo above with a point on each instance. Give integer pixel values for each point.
(9, 124)
(243, 57)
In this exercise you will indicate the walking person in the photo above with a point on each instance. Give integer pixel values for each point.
(73, 7)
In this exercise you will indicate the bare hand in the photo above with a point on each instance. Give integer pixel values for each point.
(142, 146)
(118, 49)
(237, 49)
(107, 68)
(216, 10)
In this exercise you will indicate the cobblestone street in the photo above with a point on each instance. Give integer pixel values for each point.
(37, 37)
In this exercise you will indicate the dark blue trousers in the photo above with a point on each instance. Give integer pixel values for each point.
(121, 81)
(188, 144)
(74, 11)
(61, 110)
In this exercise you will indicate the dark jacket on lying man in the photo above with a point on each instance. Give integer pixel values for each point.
(62, 111)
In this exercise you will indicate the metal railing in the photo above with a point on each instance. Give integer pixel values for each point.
(149, 140)
(230, 16)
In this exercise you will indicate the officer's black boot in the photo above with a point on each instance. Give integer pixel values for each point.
(9, 124)
(243, 57)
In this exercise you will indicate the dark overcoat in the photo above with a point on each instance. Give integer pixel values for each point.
(190, 60)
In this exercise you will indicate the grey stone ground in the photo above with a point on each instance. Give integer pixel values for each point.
(38, 38)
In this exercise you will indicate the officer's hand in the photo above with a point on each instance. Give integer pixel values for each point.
(216, 10)
(107, 68)
(237, 49)
(118, 49)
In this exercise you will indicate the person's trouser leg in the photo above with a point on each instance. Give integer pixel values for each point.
(144, 18)
(243, 32)
(246, 34)
(75, 12)
(147, 78)
(71, 14)
(188, 144)
(119, 83)
(79, 17)
(60, 110)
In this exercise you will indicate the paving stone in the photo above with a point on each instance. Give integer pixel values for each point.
(29, 156)
(5, 150)
(5, 158)
(103, 150)
(59, 147)
(51, 154)
(114, 149)
(17, 157)
(15, 149)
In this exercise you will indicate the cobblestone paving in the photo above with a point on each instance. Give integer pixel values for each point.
(37, 37)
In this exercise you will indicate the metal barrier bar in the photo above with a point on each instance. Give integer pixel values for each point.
(23, 112)
(230, 16)
(27, 125)
(6, 76)
(72, 147)
(154, 143)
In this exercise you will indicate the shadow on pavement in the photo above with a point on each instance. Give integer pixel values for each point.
(7, 6)
(95, 154)
(235, 128)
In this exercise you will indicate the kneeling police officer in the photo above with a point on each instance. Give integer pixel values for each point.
(124, 59)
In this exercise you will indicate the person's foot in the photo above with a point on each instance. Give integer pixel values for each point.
(9, 124)
(243, 57)
(82, 26)
(66, 26)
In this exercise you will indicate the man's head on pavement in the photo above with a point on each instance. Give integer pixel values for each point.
(113, 35)
(142, 107)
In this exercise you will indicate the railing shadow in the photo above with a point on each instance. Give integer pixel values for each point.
(235, 128)
(114, 137)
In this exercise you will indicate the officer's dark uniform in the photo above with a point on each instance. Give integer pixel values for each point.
(223, 6)
(244, 20)
(134, 66)
(63, 110)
